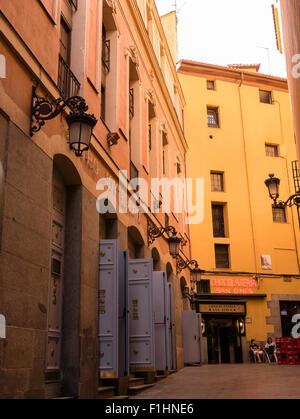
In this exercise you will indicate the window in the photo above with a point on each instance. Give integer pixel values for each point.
(165, 155)
(103, 104)
(167, 220)
(211, 85)
(218, 220)
(65, 42)
(279, 215)
(105, 51)
(222, 256)
(131, 103)
(213, 117)
(67, 83)
(265, 96)
(217, 182)
(272, 150)
(203, 286)
(150, 137)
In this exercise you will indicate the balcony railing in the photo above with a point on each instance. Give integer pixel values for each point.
(74, 3)
(106, 55)
(134, 173)
(68, 85)
(296, 175)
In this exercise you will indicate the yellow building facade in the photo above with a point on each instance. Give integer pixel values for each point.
(239, 128)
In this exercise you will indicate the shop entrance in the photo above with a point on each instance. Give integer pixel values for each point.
(224, 339)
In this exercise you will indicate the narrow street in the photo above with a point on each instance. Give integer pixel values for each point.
(244, 381)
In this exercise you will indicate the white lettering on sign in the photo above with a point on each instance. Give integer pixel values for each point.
(2, 67)
(2, 327)
(296, 328)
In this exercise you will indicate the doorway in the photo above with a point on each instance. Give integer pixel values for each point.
(224, 339)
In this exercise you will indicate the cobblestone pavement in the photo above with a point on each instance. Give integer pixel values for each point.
(244, 381)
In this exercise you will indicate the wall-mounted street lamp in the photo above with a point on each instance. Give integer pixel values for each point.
(272, 184)
(174, 241)
(181, 264)
(81, 124)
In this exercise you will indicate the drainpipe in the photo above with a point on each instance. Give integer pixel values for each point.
(289, 183)
(247, 171)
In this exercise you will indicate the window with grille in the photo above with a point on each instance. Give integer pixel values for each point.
(213, 117)
(217, 181)
(103, 102)
(203, 286)
(272, 150)
(218, 220)
(211, 85)
(131, 103)
(150, 137)
(265, 96)
(279, 215)
(105, 51)
(222, 256)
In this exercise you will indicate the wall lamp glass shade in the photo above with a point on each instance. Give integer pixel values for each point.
(80, 131)
(174, 245)
(196, 275)
(272, 183)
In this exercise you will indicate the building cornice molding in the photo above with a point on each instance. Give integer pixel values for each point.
(232, 75)
(155, 66)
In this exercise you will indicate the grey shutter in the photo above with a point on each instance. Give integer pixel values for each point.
(108, 309)
(160, 302)
(123, 315)
(141, 334)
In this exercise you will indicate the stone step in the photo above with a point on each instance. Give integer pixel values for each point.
(134, 382)
(118, 398)
(172, 371)
(160, 377)
(106, 392)
(133, 391)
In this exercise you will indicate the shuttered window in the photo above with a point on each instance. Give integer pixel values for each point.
(213, 117)
(279, 215)
(218, 220)
(265, 96)
(222, 256)
(217, 182)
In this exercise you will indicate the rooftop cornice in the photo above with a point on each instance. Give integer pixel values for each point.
(233, 75)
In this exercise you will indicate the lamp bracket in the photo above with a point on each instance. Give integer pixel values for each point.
(181, 264)
(155, 232)
(42, 109)
(293, 200)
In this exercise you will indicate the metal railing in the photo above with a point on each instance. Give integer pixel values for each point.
(106, 55)
(134, 173)
(296, 175)
(74, 3)
(68, 85)
(131, 103)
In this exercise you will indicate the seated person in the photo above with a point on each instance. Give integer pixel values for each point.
(270, 348)
(257, 352)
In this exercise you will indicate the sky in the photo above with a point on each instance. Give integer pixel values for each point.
(227, 32)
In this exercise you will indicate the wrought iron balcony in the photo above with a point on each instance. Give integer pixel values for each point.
(74, 3)
(106, 55)
(296, 175)
(68, 85)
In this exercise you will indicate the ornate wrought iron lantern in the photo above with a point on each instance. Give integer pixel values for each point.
(174, 241)
(81, 123)
(272, 184)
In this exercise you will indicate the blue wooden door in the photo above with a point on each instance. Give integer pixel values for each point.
(141, 331)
